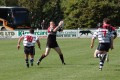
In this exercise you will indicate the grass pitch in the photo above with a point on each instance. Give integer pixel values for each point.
(80, 64)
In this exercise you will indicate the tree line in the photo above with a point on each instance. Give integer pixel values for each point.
(76, 13)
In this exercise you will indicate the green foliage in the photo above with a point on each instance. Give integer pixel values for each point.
(35, 8)
(90, 12)
(2, 2)
(11, 2)
(76, 13)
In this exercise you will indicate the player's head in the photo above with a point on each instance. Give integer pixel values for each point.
(52, 24)
(106, 24)
(106, 21)
(31, 30)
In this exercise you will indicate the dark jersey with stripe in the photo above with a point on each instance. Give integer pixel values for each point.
(51, 39)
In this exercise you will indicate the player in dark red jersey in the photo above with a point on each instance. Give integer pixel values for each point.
(29, 41)
(51, 42)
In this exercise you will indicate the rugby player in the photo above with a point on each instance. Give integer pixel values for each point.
(51, 42)
(29, 41)
(105, 38)
(106, 23)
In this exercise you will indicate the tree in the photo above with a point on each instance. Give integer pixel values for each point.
(2, 2)
(87, 13)
(52, 11)
(35, 7)
(76, 13)
(11, 2)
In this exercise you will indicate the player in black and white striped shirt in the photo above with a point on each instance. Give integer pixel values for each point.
(105, 38)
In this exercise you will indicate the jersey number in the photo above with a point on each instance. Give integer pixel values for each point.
(29, 38)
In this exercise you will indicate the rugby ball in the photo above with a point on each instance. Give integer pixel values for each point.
(62, 24)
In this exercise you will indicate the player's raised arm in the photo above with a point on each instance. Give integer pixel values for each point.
(60, 26)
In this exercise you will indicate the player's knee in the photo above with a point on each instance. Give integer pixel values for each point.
(46, 54)
(60, 53)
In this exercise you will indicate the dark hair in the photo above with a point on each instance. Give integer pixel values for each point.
(31, 30)
(106, 20)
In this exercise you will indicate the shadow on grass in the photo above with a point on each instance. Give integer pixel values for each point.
(68, 65)
(117, 68)
(51, 66)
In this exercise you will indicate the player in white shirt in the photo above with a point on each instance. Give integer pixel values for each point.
(105, 38)
(29, 41)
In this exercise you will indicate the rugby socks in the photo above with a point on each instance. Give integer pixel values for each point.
(31, 61)
(101, 64)
(98, 55)
(43, 56)
(102, 60)
(27, 63)
(62, 58)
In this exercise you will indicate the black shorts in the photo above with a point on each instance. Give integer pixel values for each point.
(53, 44)
(29, 50)
(103, 47)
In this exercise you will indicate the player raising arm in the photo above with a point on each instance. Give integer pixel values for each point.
(29, 41)
(51, 41)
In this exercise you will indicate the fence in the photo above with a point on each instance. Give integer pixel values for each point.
(43, 33)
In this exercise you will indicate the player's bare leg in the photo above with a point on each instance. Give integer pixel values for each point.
(107, 57)
(58, 50)
(47, 51)
(95, 53)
